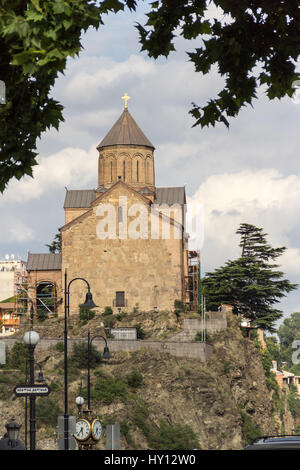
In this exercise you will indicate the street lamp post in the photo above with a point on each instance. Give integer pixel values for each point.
(88, 304)
(105, 355)
(31, 338)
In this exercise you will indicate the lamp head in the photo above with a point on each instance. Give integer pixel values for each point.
(31, 338)
(89, 303)
(106, 353)
(13, 431)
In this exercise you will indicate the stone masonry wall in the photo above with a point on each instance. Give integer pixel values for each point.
(194, 350)
(148, 270)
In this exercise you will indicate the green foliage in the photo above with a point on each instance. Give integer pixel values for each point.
(55, 246)
(79, 357)
(293, 401)
(108, 389)
(36, 39)
(202, 337)
(168, 437)
(251, 283)
(85, 315)
(250, 430)
(179, 305)
(109, 322)
(136, 308)
(47, 411)
(107, 311)
(244, 37)
(17, 356)
(134, 379)
(59, 346)
(141, 334)
(288, 332)
(39, 36)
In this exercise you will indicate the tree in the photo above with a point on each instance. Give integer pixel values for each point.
(55, 246)
(256, 44)
(288, 332)
(38, 36)
(251, 284)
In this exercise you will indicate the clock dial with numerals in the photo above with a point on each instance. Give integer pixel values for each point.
(83, 429)
(96, 429)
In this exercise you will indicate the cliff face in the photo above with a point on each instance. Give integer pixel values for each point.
(223, 402)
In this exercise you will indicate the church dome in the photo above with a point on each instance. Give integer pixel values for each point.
(125, 132)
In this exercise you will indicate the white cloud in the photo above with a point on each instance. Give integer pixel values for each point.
(263, 198)
(16, 230)
(72, 167)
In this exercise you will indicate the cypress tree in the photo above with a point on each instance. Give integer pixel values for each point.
(252, 284)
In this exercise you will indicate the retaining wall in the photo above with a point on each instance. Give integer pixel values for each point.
(193, 350)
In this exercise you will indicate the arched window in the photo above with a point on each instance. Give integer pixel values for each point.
(120, 214)
(111, 172)
(137, 171)
(124, 170)
(147, 171)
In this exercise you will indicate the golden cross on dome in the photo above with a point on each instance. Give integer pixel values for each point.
(125, 98)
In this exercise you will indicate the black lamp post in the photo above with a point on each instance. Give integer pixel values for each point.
(31, 338)
(88, 304)
(105, 355)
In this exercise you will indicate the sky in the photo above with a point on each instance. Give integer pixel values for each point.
(249, 173)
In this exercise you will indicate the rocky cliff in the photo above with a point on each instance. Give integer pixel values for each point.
(220, 404)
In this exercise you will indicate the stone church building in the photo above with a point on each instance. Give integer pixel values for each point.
(126, 236)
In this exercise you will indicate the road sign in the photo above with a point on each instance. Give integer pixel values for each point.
(24, 390)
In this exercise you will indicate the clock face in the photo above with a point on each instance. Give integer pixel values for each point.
(96, 429)
(83, 429)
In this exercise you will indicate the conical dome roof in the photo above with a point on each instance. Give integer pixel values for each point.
(125, 132)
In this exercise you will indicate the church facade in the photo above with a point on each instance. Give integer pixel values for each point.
(126, 237)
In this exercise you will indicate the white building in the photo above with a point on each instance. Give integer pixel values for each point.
(10, 268)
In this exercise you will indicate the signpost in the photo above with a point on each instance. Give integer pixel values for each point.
(24, 390)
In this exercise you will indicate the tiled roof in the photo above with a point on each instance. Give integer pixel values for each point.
(125, 132)
(79, 198)
(44, 262)
(170, 195)
(83, 198)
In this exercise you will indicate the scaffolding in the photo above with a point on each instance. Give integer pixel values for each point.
(41, 294)
(192, 285)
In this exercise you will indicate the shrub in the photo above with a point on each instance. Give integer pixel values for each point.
(47, 411)
(109, 322)
(108, 389)
(107, 311)
(59, 346)
(136, 308)
(198, 336)
(79, 357)
(179, 437)
(85, 315)
(134, 379)
(16, 357)
(141, 334)
(250, 430)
